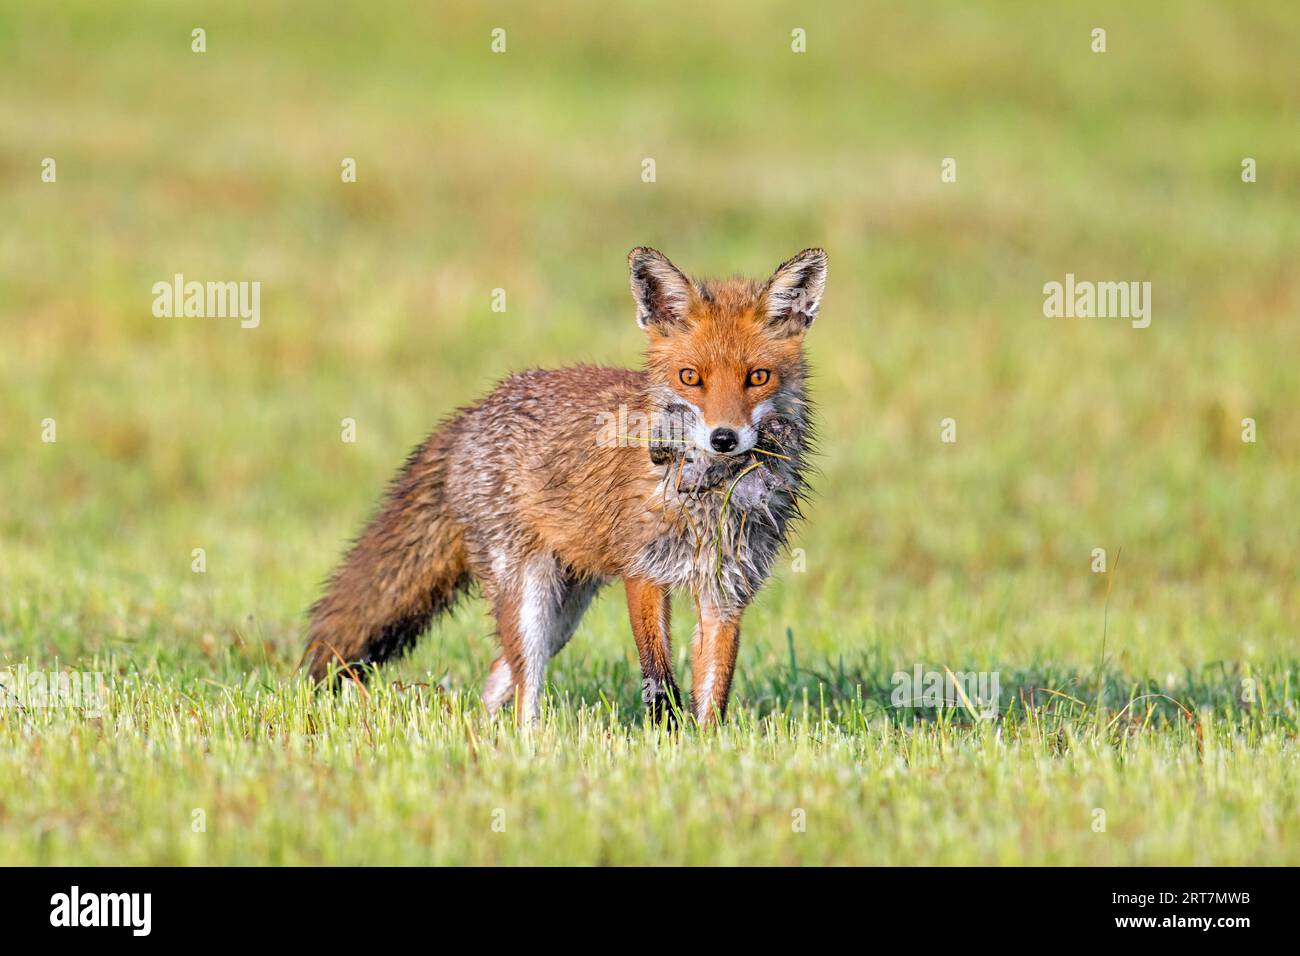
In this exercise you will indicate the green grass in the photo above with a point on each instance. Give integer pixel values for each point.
(522, 172)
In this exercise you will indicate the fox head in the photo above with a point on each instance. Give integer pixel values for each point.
(729, 352)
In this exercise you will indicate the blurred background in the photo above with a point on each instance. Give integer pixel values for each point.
(523, 171)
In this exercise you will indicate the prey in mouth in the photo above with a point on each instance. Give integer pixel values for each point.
(749, 479)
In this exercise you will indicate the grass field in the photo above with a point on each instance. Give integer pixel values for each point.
(523, 171)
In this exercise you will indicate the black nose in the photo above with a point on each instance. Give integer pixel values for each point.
(723, 439)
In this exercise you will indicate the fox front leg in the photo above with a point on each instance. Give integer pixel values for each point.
(648, 608)
(713, 661)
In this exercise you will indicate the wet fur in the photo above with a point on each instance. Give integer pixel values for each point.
(523, 495)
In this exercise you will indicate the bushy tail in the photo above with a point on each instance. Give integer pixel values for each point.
(407, 566)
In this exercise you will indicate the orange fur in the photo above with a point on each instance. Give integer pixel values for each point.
(525, 495)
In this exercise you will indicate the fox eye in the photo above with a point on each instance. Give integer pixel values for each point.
(689, 377)
(759, 376)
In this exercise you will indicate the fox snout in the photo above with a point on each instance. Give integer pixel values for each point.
(720, 437)
(723, 440)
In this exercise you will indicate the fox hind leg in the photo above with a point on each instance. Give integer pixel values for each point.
(536, 617)
(500, 684)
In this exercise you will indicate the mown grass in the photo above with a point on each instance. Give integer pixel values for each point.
(415, 775)
(522, 172)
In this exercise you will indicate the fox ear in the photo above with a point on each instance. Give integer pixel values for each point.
(661, 292)
(794, 293)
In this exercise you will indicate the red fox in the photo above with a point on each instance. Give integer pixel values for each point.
(687, 473)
